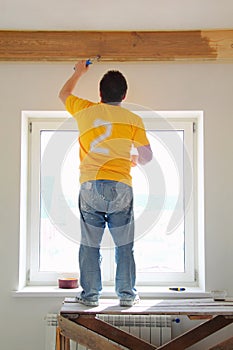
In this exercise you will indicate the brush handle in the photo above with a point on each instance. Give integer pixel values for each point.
(88, 62)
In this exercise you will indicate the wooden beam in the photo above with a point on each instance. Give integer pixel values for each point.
(84, 336)
(115, 334)
(116, 45)
(225, 345)
(197, 333)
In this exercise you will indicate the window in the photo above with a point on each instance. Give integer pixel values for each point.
(165, 200)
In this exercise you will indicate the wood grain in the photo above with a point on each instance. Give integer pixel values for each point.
(84, 336)
(115, 334)
(225, 345)
(116, 45)
(82, 319)
(198, 307)
(196, 334)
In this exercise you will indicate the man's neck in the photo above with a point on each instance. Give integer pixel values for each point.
(112, 103)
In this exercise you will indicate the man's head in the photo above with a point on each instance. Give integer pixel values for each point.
(113, 87)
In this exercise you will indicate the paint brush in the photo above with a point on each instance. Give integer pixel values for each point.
(92, 60)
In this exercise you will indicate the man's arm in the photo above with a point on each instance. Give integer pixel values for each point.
(145, 154)
(67, 89)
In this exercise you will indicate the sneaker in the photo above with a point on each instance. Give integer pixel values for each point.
(129, 302)
(87, 302)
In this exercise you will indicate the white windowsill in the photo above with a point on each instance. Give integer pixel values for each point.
(108, 292)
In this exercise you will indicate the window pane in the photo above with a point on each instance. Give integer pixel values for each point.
(160, 239)
(163, 243)
(59, 182)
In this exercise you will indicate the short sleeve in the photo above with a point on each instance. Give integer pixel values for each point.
(75, 104)
(139, 134)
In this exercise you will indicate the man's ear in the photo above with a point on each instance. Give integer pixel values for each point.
(123, 97)
(100, 96)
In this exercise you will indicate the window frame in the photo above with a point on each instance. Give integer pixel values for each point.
(34, 121)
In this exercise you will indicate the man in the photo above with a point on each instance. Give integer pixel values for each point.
(107, 134)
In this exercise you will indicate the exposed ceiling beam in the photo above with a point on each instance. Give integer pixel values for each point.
(116, 45)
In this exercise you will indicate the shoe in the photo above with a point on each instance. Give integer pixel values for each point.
(129, 302)
(87, 302)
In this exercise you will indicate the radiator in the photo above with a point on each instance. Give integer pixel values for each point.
(151, 328)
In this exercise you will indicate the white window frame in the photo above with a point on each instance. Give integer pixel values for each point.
(29, 243)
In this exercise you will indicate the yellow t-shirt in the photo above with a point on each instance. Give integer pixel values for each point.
(107, 133)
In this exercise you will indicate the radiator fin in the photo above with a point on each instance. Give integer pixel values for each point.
(151, 328)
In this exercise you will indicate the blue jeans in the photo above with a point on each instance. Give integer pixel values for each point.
(104, 202)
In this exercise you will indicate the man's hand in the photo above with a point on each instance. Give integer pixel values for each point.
(79, 69)
(134, 160)
(145, 154)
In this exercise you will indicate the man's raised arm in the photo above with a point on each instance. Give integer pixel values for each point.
(79, 69)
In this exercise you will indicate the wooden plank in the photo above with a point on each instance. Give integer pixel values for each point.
(58, 339)
(197, 333)
(84, 336)
(154, 307)
(225, 345)
(115, 334)
(200, 317)
(67, 343)
(116, 45)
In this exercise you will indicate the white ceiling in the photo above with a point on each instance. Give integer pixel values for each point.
(116, 14)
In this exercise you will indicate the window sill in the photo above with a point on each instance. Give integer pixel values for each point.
(108, 292)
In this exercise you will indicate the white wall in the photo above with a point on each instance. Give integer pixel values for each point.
(34, 86)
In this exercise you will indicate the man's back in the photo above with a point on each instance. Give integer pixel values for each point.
(107, 133)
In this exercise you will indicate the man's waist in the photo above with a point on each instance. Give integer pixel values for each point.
(103, 174)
